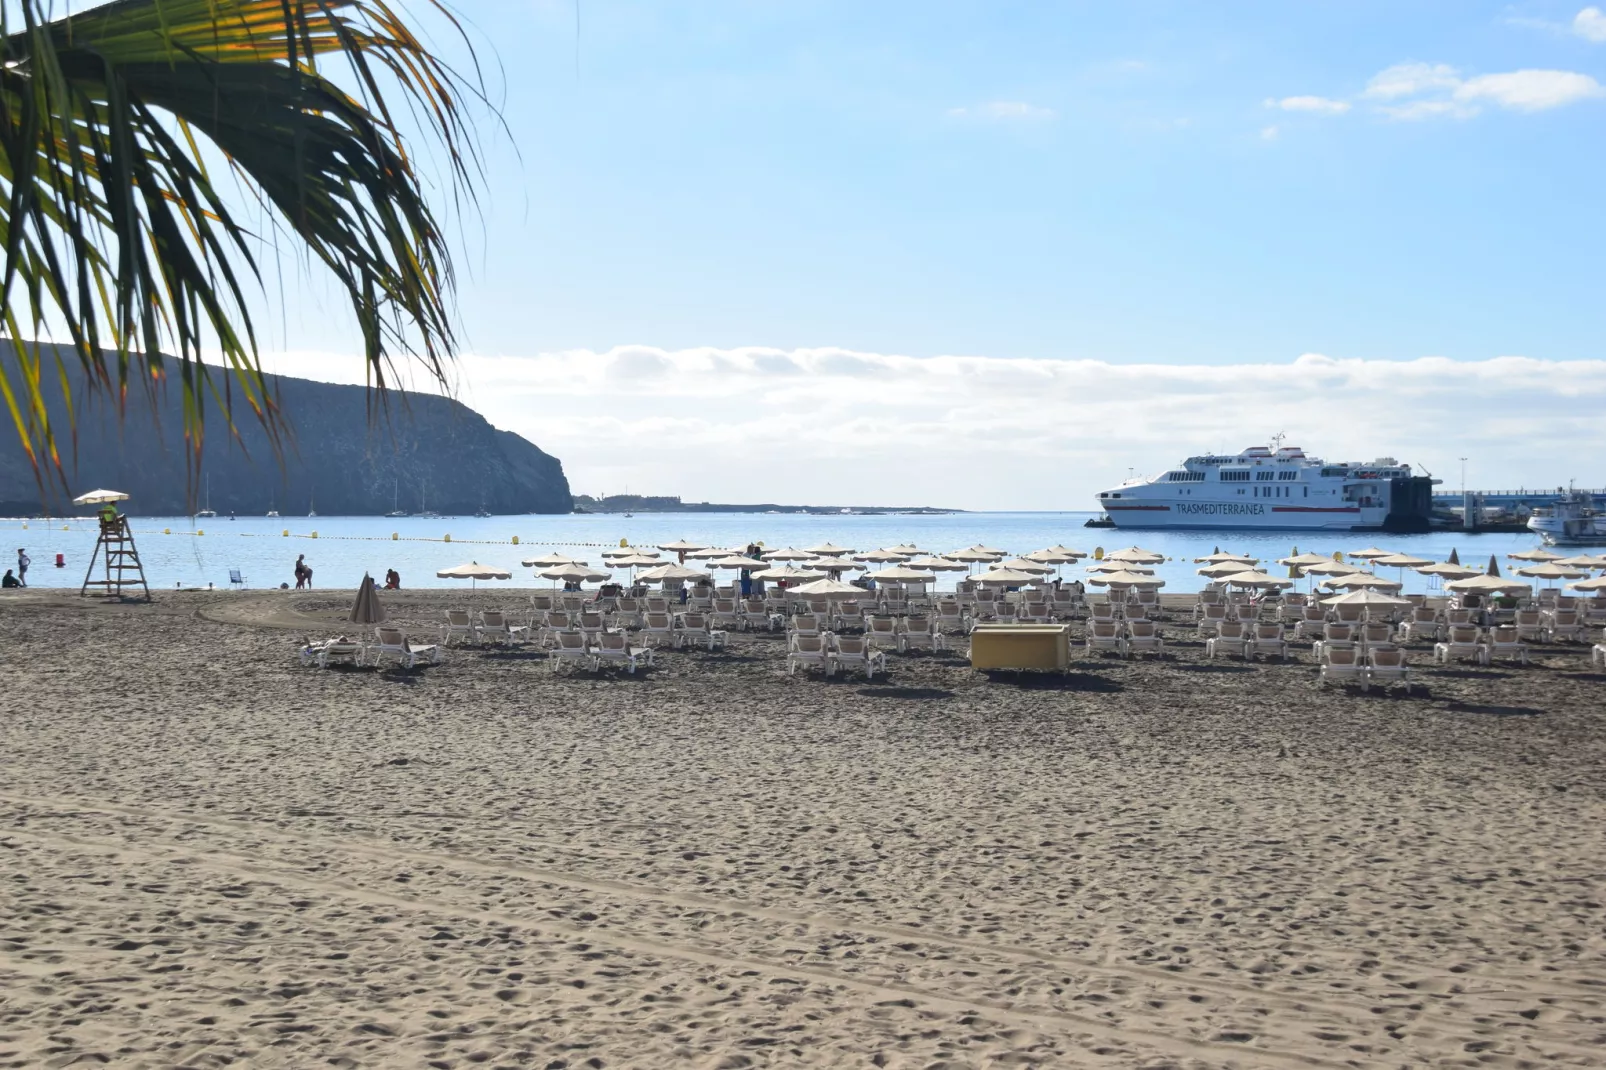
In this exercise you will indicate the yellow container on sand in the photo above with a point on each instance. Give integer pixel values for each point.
(1021, 646)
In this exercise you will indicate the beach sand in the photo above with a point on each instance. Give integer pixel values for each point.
(211, 856)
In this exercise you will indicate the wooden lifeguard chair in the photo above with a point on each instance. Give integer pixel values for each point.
(115, 550)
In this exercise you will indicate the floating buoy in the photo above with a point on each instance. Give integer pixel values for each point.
(393, 537)
(198, 531)
(447, 538)
(167, 531)
(515, 540)
(624, 542)
(286, 533)
(314, 534)
(1098, 553)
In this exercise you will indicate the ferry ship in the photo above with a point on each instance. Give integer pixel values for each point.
(1275, 487)
(1572, 520)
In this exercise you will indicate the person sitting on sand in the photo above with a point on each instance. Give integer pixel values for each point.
(10, 580)
(392, 580)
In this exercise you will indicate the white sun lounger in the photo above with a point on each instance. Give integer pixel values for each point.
(393, 643)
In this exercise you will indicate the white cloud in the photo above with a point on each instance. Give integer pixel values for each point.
(1410, 79)
(1269, 133)
(1531, 90)
(1004, 111)
(757, 424)
(1437, 90)
(1590, 24)
(1317, 105)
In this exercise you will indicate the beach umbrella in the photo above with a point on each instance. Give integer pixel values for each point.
(828, 589)
(1494, 566)
(1552, 571)
(1126, 579)
(670, 574)
(1448, 571)
(835, 565)
(1454, 558)
(829, 549)
(1532, 555)
(552, 560)
(1256, 579)
(1049, 557)
(1021, 564)
(1486, 583)
(1219, 558)
(1369, 553)
(899, 574)
(1583, 561)
(984, 549)
(1008, 576)
(366, 609)
(788, 554)
(936, 564)
(1596, 584)
(709, 553)
(630, 551)
(574, 574)
(972, 555)
(1060, 548)
(682, 546)
(1224, 568)
(1136, 555)
(1402, 561)
(1117, 566)
(636, 561)
(100, 497)
(1366, 597)
(1359, 580)
(1332, 568)
(907, 549)
(737, 562)
(474, 572)
(788, 572)
(880, 556)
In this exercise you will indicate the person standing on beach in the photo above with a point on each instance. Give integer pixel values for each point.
(23, 561)
(303, 573)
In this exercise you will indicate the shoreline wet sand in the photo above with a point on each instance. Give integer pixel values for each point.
(214, 856)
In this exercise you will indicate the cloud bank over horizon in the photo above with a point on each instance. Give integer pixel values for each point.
(831, 425)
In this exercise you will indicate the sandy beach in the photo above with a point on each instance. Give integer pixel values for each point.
(212, 856)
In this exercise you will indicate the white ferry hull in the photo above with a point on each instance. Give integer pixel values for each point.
(1240, 515)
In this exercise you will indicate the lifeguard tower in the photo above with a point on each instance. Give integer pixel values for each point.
(114, 549)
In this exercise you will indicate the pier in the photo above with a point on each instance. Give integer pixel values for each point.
(1522, 500)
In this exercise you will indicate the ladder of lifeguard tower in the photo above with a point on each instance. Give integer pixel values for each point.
(119, 559)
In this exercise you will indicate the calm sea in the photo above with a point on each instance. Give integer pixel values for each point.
(180, 551)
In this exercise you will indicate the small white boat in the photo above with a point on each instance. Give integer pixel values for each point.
(1572, 520)
(273, 512)
(206, 509)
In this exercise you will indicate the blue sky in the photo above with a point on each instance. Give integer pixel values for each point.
(1137, 184)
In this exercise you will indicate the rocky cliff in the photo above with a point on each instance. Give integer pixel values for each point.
(427, 452)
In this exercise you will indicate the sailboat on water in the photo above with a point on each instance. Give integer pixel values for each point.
(312, 509)
(206, 508)
(395, 499)
(428, 514)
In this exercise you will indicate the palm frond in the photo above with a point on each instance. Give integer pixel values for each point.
(115, 232)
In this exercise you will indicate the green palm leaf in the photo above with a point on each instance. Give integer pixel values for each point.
(115, 233)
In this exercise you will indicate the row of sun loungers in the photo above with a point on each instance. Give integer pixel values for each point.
(389, 643)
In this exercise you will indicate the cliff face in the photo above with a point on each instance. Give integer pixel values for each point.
(428, 452)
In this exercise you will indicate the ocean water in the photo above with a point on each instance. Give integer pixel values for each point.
(180, 551)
